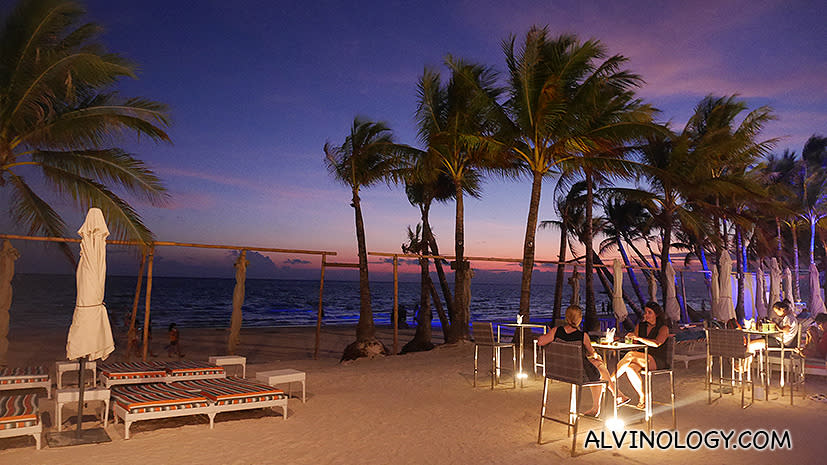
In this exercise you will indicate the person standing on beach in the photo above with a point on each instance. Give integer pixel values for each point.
(174, 346)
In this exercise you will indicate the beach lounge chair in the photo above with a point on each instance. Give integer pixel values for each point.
(138, 402)
(157, 372)
(19, 417)
(26, 378)
(116, 373)
(230, 394)
(195, 397)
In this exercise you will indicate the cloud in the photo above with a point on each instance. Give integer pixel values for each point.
(296, 261)
(402, 261)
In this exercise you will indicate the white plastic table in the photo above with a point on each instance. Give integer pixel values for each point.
(65, 396)
(225, 360)
(64, 366)
(286, 376)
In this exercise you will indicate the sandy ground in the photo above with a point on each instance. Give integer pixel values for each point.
(412, 409)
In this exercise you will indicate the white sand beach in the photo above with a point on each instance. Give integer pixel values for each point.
(411, 409)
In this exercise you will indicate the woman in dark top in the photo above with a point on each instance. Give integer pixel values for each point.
(652, 331)
(592, 363)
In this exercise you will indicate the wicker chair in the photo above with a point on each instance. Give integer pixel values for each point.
(483, 333)
(728, 344)
(649, 376)
(564, 362)
(794, 361)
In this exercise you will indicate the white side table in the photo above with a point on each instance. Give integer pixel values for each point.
(64, 366)
(65, 396)
(286, 376)
(225, 360)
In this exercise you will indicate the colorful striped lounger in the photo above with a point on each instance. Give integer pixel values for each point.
(206, 396)
(190, 370)
(25, 378)
(228, 394)
(19, 417)
(138, 402)
(115, 373)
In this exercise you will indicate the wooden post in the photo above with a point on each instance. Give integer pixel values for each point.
(130, 335)
(319, 313)
(395, 305)
(148, 294)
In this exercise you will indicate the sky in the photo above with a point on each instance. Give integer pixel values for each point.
(256, 88)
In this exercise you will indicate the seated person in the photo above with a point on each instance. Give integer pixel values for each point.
(652, 331)
(817, 338)
(786, 321)
(592, 363)
(754, 345)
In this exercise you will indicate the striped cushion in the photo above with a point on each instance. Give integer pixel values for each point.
(224, 391)
(817, 366)
(24, 375)
(192, 368)
(18, 411)
(132, 370)
(155, 397)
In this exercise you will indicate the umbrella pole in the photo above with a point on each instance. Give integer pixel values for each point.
(81, 385)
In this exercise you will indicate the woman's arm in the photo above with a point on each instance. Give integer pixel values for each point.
(587, 343)
(546, 338)
(663, 333)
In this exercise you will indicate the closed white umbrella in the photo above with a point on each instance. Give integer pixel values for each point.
(787, 284)
(816, 303)
(618, 305)
(7, 257)
(760, 302)
(238, 300)
(652, 281)
(673, 309)
(90, 336)
(725, 288)
(775, 282)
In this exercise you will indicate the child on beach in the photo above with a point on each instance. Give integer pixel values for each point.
(174, 346)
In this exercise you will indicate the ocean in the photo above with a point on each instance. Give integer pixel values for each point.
(41, 300)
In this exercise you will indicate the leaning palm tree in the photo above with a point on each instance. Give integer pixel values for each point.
(453, 122)
(571, 209)
(367, 157)
(562, 105)
(60, 121)
(622, 218)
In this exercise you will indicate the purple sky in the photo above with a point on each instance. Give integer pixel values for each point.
(257, 87)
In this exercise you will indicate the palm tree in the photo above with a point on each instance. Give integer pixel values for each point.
(367, 157)
(813, 181)
(60, 115)
(567, 102)
(623, 219)
(422, 338)
(453, 122)
(571, 210)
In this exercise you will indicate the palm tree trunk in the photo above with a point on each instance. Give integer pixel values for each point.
(630, 271)
(813, 222)
(422, 337)
(796, 293)
(365, 329)
(428, 237)
(560, 275)
(739, 247)
(778, 237)
(528, 246)
(459, 320)
(443, 318)
(591, 311)
(664, 251)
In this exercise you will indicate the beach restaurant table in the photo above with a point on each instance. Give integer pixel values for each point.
(62, 367)
(521, 327)
(765, 380)
(616, 348)
(64, 396)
